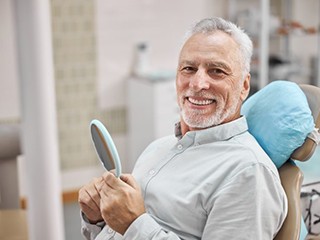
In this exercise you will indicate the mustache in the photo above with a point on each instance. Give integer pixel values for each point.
(202, 94)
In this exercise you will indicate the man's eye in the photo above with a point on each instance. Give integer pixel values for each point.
(216, 71)
(188, 69)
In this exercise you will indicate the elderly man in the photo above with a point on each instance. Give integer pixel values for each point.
(211, 180)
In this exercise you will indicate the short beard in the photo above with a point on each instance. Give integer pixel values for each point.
(195, 118)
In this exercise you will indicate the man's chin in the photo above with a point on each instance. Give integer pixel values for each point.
(200, 124)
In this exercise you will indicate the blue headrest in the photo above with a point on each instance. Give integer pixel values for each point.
(279, 118)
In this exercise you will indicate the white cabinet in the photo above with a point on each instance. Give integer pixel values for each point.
(152, 113)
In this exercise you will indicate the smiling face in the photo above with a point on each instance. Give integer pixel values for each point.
(210, 82)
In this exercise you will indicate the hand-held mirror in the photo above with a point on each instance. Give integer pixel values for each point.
(104, 146)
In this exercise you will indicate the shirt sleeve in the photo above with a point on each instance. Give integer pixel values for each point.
(90, 231)
(251, 205)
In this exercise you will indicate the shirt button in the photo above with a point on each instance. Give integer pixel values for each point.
(110, 231)
(152, 172)
(180, 147)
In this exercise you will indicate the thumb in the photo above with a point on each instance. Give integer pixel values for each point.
(129, 179)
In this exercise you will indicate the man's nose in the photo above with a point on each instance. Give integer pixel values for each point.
(200, 80)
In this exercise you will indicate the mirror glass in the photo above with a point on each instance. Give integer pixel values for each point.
(104, 146)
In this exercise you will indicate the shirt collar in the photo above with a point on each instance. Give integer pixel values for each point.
(217, 133)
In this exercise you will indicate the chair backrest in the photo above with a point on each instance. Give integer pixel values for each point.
(312, 93)
(292, 177)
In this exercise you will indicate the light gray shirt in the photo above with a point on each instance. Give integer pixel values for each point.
(215, 183)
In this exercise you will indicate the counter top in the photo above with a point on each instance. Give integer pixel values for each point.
(13, 225)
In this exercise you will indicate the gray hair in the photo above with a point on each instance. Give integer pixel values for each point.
(210, 25)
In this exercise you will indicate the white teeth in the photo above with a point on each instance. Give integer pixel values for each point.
(200, 102)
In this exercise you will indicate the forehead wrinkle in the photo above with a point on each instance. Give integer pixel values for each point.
(207, 64)
(188, 62)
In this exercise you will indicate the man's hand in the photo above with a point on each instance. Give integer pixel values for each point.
(89, 200)
(121, 201)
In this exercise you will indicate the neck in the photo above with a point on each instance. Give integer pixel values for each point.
(184, 127)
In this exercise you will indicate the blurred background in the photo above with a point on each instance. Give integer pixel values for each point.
(116, 60)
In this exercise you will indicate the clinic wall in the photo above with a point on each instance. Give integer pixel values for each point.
(161, 25)
(75, 64)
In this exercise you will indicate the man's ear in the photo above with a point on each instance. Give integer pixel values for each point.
(245, 87)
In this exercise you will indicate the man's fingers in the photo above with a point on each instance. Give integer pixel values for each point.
(87, 209)
(89, 194)
(94, 196)
(106, 190)
(111, 180)
(85, 202)
(128, 179)
(98, 184)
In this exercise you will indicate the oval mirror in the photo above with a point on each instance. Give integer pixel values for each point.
(104, 146)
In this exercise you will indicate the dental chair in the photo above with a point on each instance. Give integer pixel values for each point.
(262, 110)
(291, 176)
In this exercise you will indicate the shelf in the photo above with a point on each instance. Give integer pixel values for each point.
(265, 30)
